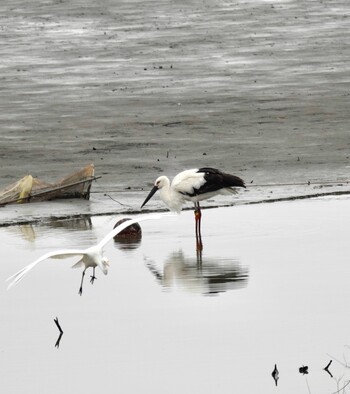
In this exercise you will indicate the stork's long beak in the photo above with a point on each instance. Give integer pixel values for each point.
(154, 189)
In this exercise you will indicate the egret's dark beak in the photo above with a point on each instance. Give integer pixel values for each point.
(154, 189)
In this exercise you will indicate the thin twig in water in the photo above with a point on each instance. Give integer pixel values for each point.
(340, 362)
(58, 325)
(120, 203)
(308, 387)
(342, 387)
(328, 365)
(346, 363)
(327, 370)
(57, 344)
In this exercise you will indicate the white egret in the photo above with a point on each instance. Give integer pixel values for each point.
(91, 257)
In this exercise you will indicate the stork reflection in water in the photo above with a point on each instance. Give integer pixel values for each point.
(206, 276)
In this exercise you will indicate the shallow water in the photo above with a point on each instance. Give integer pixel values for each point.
(271, 287)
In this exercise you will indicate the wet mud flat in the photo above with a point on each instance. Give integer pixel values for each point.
(143, 88)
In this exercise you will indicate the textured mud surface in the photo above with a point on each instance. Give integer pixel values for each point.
(140, 88)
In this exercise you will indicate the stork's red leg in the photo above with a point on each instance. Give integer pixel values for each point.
(198, 217)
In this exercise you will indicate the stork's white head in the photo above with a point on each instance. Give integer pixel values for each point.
(160, 182)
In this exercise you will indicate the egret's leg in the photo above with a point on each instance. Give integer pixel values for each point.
(81, 284)
(198, 217)
(93, 277)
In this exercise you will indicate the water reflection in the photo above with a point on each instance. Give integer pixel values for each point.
(208, 276)
(27, 231)
(127, 244)
(130, 238)
(72, 224)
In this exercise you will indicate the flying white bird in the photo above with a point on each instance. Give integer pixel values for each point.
(194, 185)
(91, 257)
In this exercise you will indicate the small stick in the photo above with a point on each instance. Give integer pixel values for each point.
(336, 392)
(327, 370)
(340, 362)
(58, 325)
(275, 374)
(120, 203)
(57, 344)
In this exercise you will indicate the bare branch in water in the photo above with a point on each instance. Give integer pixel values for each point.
(58, 325)
(57, 344)
(120, 203)
(327, 370)
(338, 391)
(340, 362)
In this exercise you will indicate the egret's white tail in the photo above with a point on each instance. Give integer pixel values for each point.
(79, 264)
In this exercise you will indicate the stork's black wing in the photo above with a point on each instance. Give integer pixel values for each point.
(216, 180)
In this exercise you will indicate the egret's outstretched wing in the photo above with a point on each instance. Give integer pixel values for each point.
(58, 254)
(123, 226)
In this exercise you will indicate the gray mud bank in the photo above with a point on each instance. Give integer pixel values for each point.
(259, 89)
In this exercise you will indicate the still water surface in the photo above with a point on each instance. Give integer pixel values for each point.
(271, 287)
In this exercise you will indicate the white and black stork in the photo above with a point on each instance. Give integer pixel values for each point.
(194, 185)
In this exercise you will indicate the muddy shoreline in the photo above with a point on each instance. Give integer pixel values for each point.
(141, 89)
